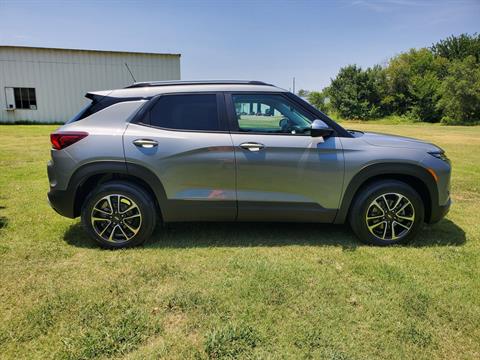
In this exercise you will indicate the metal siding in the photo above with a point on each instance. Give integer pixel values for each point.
(62, 77)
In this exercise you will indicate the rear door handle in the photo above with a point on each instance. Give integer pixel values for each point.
(145, 143)
(252, 146)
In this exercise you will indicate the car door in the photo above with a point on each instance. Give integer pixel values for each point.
(282, 173)
(184, 141)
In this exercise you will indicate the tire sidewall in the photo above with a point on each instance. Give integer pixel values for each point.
(138, 195)
(371, 192)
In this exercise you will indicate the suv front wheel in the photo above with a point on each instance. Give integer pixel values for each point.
(119, 214)
(387, 212)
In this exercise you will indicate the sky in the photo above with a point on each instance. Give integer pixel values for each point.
(271, 41)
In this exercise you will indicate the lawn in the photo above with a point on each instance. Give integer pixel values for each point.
(236, 290)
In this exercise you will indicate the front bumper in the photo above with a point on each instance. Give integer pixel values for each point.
(439, 212)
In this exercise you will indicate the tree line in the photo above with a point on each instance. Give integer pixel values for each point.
(436, 84)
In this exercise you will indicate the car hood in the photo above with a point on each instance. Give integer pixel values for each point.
(394, 141)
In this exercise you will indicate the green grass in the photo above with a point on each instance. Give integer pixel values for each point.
(259, 122)
(236, 290)
(388, 120)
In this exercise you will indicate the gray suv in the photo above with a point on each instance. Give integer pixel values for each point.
(236, 151)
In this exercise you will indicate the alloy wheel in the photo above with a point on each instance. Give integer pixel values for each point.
(390, 216)
(116, 218)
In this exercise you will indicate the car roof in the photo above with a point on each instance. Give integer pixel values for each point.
(152, 88)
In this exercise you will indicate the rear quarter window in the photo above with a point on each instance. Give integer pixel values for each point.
(99, 103)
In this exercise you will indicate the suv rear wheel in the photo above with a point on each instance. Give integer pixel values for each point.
(386, 213)
(119, 214)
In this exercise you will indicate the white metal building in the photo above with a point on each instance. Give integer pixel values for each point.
(48, 85)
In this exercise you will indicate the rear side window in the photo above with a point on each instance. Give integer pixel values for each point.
(186, 112)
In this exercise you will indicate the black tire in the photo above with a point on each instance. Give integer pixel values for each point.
(383, 234)
(126, 195)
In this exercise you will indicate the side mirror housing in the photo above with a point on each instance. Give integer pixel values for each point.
(319, 128)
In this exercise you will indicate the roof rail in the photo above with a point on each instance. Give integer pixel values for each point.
(194, 82)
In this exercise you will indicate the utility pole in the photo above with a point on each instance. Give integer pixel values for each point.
(294, 84)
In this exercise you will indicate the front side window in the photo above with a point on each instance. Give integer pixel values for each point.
(186, 112)
(269, 114)
(25, 98)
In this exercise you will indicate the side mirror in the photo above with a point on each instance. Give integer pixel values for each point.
(319, 128)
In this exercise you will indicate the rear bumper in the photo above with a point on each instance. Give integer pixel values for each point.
(62, 202)
(439, 212)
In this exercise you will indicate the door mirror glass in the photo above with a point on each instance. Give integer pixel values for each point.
(319, 128)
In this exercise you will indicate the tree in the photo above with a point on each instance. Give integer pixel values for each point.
(458, 47)
(320, 100)
(414, 79)
(303, 93)
(358, 94)
(460, 93)
(436, 84)
(377, 91)
(425, 95)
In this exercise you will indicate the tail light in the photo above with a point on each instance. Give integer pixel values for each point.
(61, 139)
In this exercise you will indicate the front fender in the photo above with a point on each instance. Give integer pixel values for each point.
(386, 170)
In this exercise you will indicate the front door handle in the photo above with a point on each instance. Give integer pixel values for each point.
(145, 143)
(252, 146)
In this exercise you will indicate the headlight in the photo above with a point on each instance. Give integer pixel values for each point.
(440, 155)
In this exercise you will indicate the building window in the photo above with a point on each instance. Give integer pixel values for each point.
(25, 98)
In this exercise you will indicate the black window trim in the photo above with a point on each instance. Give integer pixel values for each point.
(221, 110)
